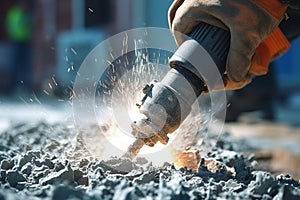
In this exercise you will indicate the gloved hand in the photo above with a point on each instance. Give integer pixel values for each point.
(250, 22)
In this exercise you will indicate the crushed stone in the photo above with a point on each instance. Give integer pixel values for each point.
(37, 162)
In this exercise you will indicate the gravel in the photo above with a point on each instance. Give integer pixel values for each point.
(43, 161)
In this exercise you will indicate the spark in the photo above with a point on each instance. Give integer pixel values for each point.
(54, 81)
(73, 94)
(111, 55)
(36, 99)
(70, 102)
(125, 46)
(50, 86)
(109, 62)
(123, 89)
(46, 92)
(90, 10)
(22, 99)
(73, 51)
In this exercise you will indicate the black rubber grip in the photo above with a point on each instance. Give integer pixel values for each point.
(216, 42)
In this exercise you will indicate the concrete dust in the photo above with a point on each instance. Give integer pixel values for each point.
(278, 161)
(43, 161)
(275, 145)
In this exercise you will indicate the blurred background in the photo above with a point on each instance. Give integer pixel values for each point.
(43, 43)
(54, 36)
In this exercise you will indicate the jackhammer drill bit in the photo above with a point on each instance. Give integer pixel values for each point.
(134, 149)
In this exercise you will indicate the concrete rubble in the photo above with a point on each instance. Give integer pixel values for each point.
(41, 161)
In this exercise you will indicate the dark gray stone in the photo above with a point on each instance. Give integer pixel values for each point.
(27, 169)
(2, 175)
(65, 175)
(14, 177)
(6, 164)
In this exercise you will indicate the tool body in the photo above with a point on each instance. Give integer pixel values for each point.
(166, 104)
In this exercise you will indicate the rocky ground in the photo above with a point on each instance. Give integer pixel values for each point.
(43, 161)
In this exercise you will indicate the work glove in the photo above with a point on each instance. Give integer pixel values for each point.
(250, 22)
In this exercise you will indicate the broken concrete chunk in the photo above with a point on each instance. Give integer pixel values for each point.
(125, 191)
(189, 159)
(3, 156)
(287, 192)
(146, 177)
(14, 177)
(118, 165)
(65, 175)
(141, 160)
(84, 180)
(263, 181)
(6, 164)
(2, 175)
(48, 163)
(58, 166)
(78, 174)
(68, 192)
(26, 169)
(25, 159)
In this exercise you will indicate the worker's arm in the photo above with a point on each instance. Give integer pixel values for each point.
(250, 22)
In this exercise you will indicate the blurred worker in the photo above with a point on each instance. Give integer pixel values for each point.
(250, 22)
(260, 95)
(19, 30)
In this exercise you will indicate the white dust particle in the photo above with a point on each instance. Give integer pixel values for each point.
(54, 81)
(73, 51)
(23, 100)
(70, 103)
(36, 99)
(46, 92)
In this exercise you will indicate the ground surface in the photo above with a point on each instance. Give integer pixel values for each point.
(47, 160)
(44, 161)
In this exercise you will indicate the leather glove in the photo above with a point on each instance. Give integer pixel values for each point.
(250, 22)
